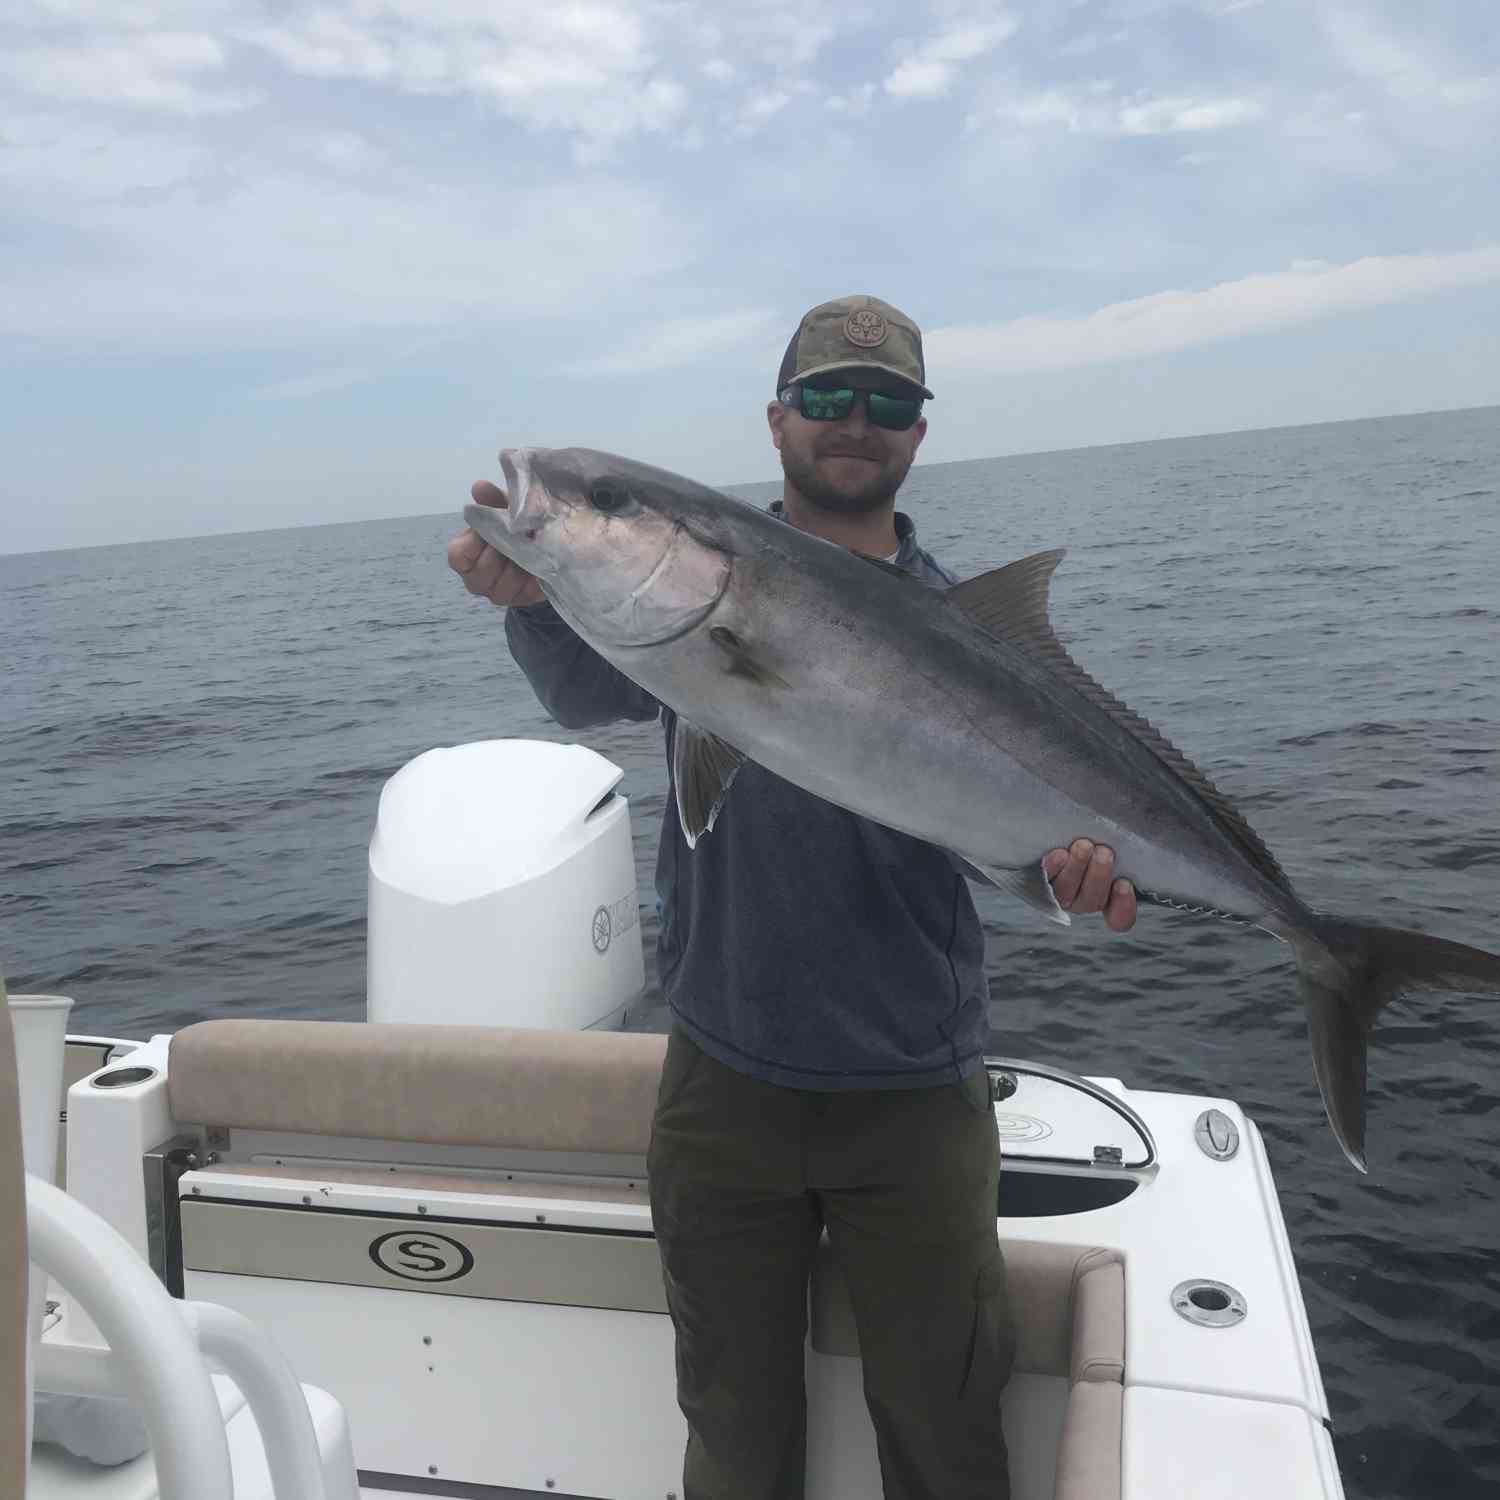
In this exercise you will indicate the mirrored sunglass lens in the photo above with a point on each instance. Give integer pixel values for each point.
(826, 405)
(894, 412)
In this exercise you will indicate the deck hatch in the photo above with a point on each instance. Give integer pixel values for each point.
(1048, 1117)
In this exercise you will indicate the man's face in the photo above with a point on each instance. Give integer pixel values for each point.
(848, 467)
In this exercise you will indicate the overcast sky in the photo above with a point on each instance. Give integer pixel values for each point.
(264, 264)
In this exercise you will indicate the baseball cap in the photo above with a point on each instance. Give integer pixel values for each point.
(855, 333)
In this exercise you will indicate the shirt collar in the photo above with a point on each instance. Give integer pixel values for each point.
(906, 534)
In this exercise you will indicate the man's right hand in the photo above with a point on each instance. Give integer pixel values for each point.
(486, 571)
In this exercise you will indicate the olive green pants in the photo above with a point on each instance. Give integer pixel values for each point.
(745, 1176)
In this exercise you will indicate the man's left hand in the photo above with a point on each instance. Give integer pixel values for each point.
(1082, 877)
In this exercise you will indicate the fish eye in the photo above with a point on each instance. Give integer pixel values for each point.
(608, 497)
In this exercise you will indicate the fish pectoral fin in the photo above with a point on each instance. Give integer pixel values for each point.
(1030, 883)
(741, 659)
(703, 767)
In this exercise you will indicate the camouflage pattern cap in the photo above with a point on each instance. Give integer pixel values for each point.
(855, 333)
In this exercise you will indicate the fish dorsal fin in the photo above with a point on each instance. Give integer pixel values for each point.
(1011, 604)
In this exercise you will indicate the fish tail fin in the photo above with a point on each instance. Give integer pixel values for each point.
(1347, 972)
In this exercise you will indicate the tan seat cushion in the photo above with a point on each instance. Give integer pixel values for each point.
(1089, 1455)
(585, 1091)
(1067, 1303)
(1099, 1319)
(13, 1269)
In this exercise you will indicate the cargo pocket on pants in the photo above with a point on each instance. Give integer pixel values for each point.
(992, 1347)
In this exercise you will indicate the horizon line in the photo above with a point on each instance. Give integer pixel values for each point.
(729, 486)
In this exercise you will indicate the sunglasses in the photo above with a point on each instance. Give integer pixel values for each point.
(834, 403)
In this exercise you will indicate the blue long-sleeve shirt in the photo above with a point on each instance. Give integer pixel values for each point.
(799, 943)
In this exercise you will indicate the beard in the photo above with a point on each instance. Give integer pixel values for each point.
(875, 493)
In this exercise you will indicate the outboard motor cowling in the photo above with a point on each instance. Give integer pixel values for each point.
(503, 891)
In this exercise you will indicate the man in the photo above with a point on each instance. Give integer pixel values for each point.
(826, 980)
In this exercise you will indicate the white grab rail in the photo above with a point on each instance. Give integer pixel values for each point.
(274, 1395)
(156, 1355)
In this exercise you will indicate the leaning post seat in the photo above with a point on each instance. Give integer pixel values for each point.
(1068, 1310)
(566, 1091)
(588, 1096)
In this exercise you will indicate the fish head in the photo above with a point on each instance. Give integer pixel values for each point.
(620, 548)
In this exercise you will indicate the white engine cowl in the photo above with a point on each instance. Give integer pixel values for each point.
(503, 891)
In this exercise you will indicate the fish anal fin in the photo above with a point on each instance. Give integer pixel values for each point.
(703, 768)
(1011, 604)
(1030, 883)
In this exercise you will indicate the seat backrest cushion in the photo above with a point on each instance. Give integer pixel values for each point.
(581, 1091)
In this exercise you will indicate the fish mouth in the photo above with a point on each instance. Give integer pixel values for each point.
(516, 465)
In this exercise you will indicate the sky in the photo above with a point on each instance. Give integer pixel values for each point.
(269, 264)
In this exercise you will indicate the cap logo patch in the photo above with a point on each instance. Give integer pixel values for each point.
(866, 328)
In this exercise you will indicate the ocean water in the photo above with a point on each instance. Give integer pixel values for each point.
(193, 736)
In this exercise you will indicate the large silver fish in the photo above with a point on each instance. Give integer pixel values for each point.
(956, 717)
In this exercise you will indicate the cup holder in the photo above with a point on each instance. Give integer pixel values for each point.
(121, 1078)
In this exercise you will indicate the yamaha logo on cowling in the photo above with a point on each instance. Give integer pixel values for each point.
(609, 921)
(421, 1255)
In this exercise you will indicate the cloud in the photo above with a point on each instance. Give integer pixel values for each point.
(346, 151)
(319, 383)
(57, 159)
(1368, 50)
(759, 108)
(127, 15)
(1092, 111)
(928, 73)
(282, 256)
(1170, 116)
(1417, 70)
(783, 34)
(683, 341)
(152, 71)
(343, 376)
(1173, 320)
(855, 102)
(588, 67)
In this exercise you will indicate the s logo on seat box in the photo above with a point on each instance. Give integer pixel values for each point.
(421, 1255)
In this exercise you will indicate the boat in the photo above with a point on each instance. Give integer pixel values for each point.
(413, 1255)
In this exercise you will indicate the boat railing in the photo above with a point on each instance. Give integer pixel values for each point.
(159, 1353)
